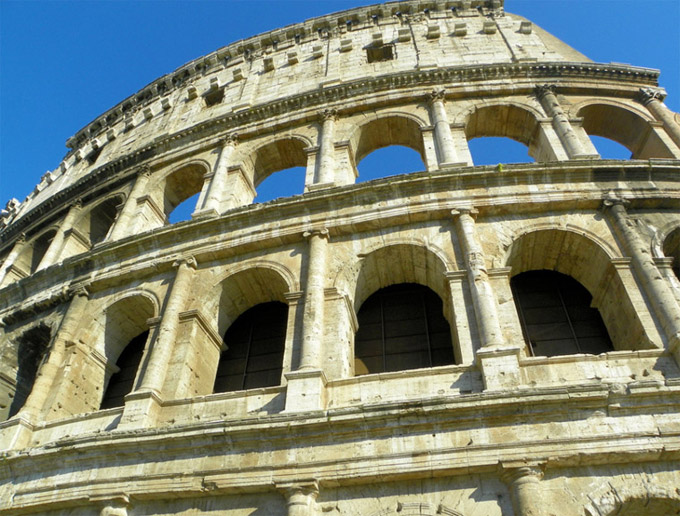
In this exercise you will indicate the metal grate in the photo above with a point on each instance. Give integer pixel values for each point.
(255, 343)
(556, 315)
(402, 327)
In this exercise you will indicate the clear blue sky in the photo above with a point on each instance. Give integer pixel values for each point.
(63, 63)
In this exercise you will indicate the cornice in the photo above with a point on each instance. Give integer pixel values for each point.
(421, 79)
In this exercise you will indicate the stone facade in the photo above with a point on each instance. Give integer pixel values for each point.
(90, 263)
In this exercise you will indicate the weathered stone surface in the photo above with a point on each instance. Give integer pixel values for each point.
(90, 263)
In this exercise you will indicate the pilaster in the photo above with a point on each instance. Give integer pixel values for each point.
(523, 480)
(57, 245)
(300, 496)
(446, 148)
(652, 99)
(217, 182)
(124, 225)
(326, 175)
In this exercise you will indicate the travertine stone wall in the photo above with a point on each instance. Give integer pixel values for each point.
(89, 261)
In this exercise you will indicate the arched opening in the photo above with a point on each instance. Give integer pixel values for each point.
(96, 223)
(255, 346)
(30, 349)
(29, 260)
(278, 169)
(125, 335)
(625, 127)
(493, 126)
(184, 209)
(580, 258)
(283, 183)
(609, 149)
(389, 161)
(556, 315)
(671, 249)
(180, 186)
(491, 150)
(121, 382)
(401, 327)
(389, 131)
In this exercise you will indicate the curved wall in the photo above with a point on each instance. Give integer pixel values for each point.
(90, 262)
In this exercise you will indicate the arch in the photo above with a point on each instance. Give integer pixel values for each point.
(574, 254)
(625, 125)
(97, 221)
(387, 129)
(638, 498)
(245, 287)
(671, 249)
(24, 359)
(179, 184)
(516, 121)
(124, 319)
(276, 155)
(400, 262)
(29, 259)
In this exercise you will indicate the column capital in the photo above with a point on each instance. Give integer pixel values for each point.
(297, 491)
(649, 94)
(77, 204)
(464, 210)
(436, 95)
(144, 170)
(21, 238)
(611, 199)
(328, 114)
(521, 472)
(542, 90)
(230, 139)
(78, 291)
(189, 261)
(322, 232)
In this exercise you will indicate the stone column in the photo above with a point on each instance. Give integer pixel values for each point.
(498, 361)
(313, 323)
(306, 385)
(300, 496)
(218, 184)
(652, 99)
(442, 130)
(482, 295)
(143, 404)
(560, 121)
(162, 347)
(18, 248)
(54, 250)
(48, 375)
(657, 288)
(327, 148)
(122, 225)
(525, 490)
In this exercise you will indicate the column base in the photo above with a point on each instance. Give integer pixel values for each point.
(205, 214)
(306, 390)
(141, 410)
(16, 434)
(319, 186)
(500, 368)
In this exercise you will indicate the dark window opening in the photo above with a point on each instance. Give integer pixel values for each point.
(402, 327)
(92, 156)
(30, 352)
(380, 53)
(102, 219)
(122, 382)
(214, 97)
(556, 315)
(40, 247)
(255, 344)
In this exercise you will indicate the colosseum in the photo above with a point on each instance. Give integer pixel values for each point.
(460, 340)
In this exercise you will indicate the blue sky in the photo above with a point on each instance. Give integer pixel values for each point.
(62, 63)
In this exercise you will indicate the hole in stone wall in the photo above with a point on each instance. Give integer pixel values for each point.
(284, 183)
(609, 149)
(380, 53)
(31, 349)
(184, 209)
(255, 344)
(492, 150)
(389, 161)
